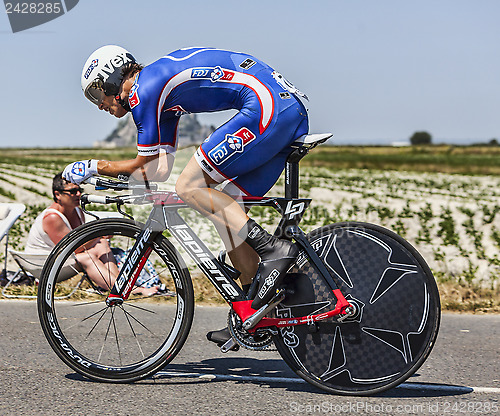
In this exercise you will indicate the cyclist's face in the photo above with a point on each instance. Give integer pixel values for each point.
(112, 106)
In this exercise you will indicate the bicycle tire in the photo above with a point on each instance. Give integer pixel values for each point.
(121, 343)
(398, 304)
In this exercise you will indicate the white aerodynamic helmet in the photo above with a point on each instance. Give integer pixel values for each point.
(102, 73)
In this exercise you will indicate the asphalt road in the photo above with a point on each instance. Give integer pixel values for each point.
(461, 377)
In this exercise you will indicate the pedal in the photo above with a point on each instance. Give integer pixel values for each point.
(230, 345)
(231, 271)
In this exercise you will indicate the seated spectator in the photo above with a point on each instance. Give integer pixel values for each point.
(58, 220)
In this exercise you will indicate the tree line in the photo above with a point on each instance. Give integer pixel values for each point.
(420, 138)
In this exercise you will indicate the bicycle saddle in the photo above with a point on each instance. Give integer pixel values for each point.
(311, 140)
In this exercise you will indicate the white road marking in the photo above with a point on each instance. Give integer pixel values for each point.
(261, 379)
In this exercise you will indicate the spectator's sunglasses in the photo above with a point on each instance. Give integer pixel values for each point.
(72, 191)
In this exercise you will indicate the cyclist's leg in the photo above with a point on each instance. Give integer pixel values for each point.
(234, 150)
(276, 255)
(243, 257)
(196, 189)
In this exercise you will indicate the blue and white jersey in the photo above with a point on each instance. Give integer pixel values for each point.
(197, 80)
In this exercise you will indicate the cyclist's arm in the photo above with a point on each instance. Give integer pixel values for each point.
(154, 167)
(154, 136)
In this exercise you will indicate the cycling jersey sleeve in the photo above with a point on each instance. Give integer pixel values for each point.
(155, 129)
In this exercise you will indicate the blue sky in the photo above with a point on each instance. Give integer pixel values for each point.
(373, 70)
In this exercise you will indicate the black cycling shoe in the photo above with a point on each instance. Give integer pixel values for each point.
(276, 257)
(220, 337)
(272, 270)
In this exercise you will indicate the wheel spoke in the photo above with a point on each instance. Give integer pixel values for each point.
(106, 281)
(139, 307)
(139, 322)
(126, 314)
(104, 310)
(116, 337)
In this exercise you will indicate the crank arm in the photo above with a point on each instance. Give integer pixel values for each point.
(264, 310)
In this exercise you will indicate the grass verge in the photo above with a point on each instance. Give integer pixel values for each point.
(454, 297)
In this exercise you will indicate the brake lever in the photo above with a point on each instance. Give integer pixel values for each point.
(83, 205)
(119, 208)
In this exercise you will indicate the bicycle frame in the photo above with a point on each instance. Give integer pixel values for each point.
(165, 216)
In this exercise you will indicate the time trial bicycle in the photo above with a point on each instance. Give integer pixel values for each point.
(358, 312)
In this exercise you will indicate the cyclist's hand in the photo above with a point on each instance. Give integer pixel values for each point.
(77, 172)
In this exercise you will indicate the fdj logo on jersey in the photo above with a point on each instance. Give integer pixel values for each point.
(232, 143)
(214, 74)
(133, 97)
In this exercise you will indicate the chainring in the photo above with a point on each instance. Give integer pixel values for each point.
(257, 341)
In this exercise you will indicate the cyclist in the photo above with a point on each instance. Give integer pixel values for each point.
(245, 156)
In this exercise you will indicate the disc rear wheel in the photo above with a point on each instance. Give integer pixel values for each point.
(397, 311)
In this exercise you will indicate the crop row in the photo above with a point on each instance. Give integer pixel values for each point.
(453, 220)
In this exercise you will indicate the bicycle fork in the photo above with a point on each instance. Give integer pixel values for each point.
(136, 259)
(133, 265)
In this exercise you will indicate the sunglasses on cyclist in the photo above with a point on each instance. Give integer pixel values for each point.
(72, 191)
(98, 89)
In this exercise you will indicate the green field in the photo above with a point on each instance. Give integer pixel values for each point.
(482, 160)
(471, 160)
(444, 199)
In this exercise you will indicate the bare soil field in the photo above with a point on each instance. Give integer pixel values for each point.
(445, 200)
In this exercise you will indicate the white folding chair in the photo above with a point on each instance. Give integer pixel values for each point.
(31, 265)
(9, 213)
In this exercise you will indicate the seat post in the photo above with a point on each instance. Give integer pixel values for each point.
(292, 172)
(291, 180)
(301, 147)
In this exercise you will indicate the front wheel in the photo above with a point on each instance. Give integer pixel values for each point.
(119, 342)
(397, 304)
